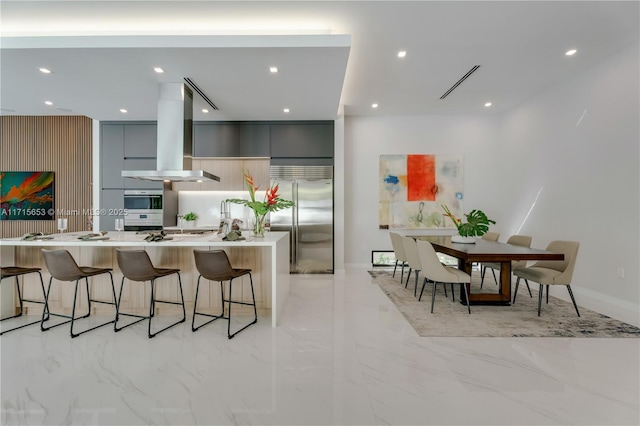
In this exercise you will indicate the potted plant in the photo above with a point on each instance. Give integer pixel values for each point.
(477, 225)
(190, 218)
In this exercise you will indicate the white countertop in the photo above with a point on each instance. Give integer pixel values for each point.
(131, 239)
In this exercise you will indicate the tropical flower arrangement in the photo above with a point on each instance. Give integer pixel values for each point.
(271, 203)
(476, 226)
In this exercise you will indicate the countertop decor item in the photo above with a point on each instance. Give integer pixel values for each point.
(477, 225)
(190, 218)
(271, 203)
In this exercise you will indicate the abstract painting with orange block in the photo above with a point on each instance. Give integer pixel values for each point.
(413, 187)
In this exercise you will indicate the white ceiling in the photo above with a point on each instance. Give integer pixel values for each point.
(329, 54)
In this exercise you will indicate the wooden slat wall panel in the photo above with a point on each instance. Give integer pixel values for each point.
(62, 144)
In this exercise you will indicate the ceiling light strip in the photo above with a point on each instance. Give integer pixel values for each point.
(471, 71)
(200, 92)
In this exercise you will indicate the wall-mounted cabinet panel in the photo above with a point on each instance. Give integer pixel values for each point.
(215, 140)
(140, 164)
(254, 140)
(140, 140)
(301, 140)
(112, 155)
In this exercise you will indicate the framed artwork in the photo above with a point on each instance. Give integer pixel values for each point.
(27, 196)
(413, 188)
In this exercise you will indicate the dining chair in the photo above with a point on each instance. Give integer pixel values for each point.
(136, 265)
(552, 272)
(413, 260)
(436, 272)
(63, 267)
(401, 256)
(214, 265)
(516, 240)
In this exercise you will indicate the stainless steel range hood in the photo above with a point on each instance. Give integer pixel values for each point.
(175, 146)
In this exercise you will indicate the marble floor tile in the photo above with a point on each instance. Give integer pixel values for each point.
(343, 355)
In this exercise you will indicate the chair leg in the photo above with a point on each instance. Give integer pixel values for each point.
(118, 313)
(493, 272)
(433, 295)
(573, 299)
(45, 313)
(408, 276)
(86, 279)
(402, 272)
(515, 292)
(153, 302)
(483, 270)
(415, 287)
(394, 269)
(466, 295)
(528, 288)
(445, 290)
(453, 294)
(46, 310)
(421, 291)
(255, 311)
(540, 299)
(548, 294)
(195, 305)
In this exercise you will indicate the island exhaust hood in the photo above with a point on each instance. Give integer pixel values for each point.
(175, 146)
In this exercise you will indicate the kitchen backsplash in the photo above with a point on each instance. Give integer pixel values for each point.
(206, 204)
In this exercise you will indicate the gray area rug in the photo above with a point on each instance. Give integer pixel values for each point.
(558, 318)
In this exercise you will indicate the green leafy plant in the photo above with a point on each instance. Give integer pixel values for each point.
(477, 223)
(190, 216)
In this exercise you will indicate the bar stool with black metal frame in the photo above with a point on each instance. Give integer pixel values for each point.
(136, 265)
(63, 267)
(15, 272)
(214, 265)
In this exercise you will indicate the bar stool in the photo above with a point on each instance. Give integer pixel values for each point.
(215, 266)
(136, 266)
(16, 271)
(63, 267)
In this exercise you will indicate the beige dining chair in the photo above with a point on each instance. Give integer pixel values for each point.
(401, 256)
(411, 250)
(488, 236)
(436, 272)
(516, 240)
(552, 272)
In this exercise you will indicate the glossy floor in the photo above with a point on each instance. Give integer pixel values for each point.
(342, 355)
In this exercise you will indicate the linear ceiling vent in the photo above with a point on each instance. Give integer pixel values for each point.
(200, 92)
(471, 71)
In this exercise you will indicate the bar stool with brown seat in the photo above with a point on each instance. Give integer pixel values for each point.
(136, 265)
(214, 265)
(63, 267)
(15, 272)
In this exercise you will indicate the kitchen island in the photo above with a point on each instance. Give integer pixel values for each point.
(267, 257)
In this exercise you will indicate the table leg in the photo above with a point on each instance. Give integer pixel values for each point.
(503, 297)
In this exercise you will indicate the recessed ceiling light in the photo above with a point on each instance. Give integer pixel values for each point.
(122, 110)
(374, 105)
(205, 110)
(571, 52)
(402, 54)
(45, 70)
(488, 104)
(286, 110)
(48, 103)
(158, 70)
(273, 70)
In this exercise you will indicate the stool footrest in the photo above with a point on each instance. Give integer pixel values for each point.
(215, 317)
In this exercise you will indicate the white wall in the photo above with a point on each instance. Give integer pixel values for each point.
(366, 138)
(573, 150)
(576, 147)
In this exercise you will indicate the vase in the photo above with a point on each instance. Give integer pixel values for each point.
(462, 240)
(258, 226)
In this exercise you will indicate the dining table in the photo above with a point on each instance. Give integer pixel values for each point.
(487, 251)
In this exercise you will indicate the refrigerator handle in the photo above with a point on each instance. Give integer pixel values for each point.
(295, 224)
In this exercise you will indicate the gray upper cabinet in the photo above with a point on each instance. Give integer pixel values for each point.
(112, 155)
(308, 140)
(215, 140)
(140, 140)
(254, 140)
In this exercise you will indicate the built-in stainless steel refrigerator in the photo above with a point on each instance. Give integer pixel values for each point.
(310, 222)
